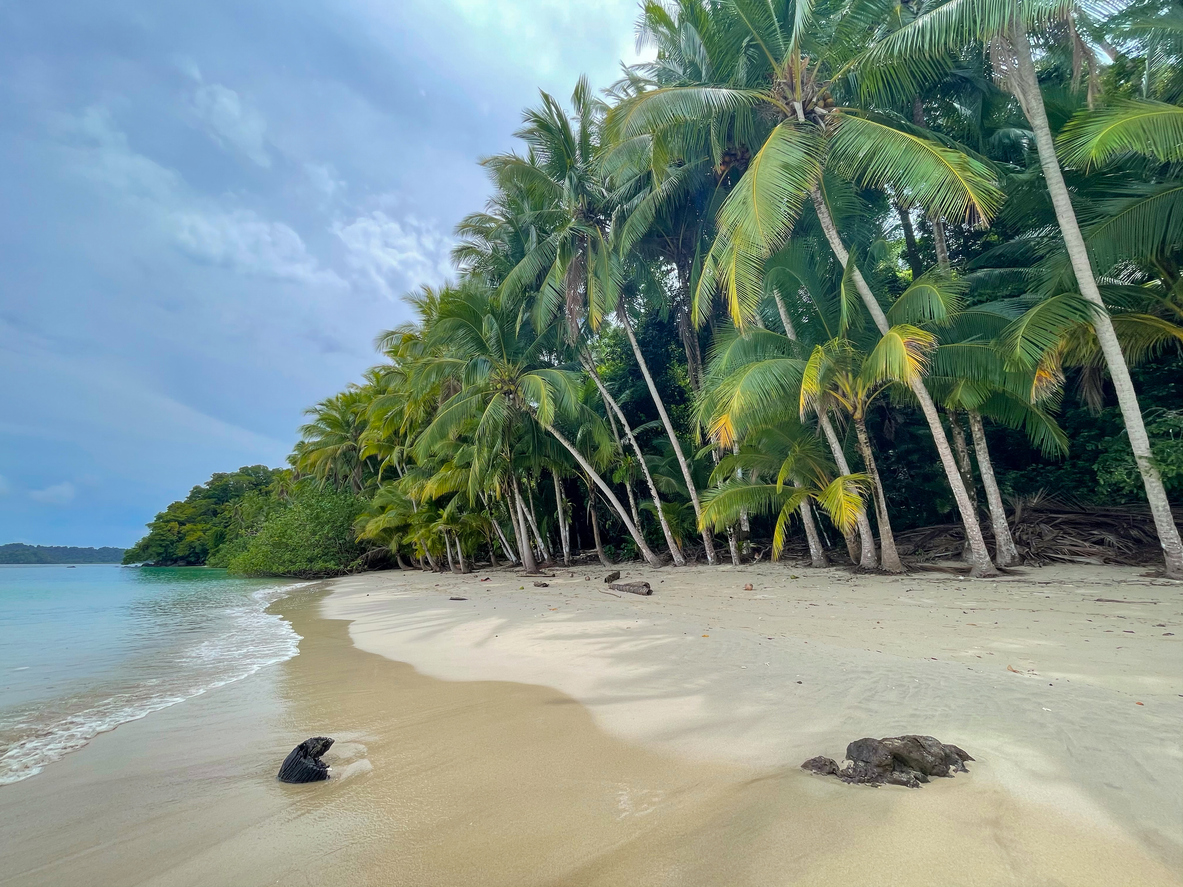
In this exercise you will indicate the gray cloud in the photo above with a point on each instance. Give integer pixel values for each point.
(231, 122)
(219, 207)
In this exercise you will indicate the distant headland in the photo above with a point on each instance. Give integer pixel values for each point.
(19, 553)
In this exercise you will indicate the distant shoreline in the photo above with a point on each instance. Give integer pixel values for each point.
(20, 553)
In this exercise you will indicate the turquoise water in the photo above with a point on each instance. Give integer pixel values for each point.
(84, 649)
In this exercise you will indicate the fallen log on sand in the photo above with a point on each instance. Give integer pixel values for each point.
(641, 588)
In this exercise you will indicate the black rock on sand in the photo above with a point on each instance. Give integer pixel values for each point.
(304, 763)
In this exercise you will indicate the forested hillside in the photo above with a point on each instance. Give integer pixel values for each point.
(19, 553)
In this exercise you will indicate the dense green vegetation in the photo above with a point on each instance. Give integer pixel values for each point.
(211, 524)
(312, 537)
(818, 273)
(19, 553)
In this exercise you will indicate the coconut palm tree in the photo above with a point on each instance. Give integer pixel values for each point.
(1007, 26)
(781, 108)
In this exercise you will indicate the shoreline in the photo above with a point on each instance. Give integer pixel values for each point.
(484, 780)
(1032, 674)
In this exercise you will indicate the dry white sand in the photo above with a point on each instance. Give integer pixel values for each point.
(1072, 706)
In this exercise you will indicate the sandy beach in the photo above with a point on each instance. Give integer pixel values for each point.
(563, 735)
(1065, 683)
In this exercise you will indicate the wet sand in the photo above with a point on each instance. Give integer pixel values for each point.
(443, 781)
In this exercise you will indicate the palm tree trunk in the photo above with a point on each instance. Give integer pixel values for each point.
(564, 530)
(614, 407)
(817, 553)
(448, 548)
(940, 243)
(533, 521)
(642, 546)
(632, 503)
(460, 555)
(402, 564)
(980, 562)
(519, 530)
(510, 554)
(866, 557)
(790, 330)
(961, 451)
(1005, 552)
(733, 544)
(1026, 88)
(492, 550)
(891, 557)
(595, 521)
(910, 247)
(707, 541)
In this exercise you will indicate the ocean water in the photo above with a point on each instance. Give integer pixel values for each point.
(84, 649)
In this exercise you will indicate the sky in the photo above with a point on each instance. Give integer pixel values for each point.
(211, 210)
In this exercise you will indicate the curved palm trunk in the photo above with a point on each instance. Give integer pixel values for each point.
(790, 330)
(492, 550)
(460, 555)
(595, 521)
(866, 558)
(980, 562)
(817, 553)
(519, 531)
(961, 451)
(510, 554)
(642, 546)
(402, 564)
(891, 557)
(448, 549)
(533, 521)
(564, 530)
(1026, 88)
(707, 541)
(614, 407)
(1004, 544)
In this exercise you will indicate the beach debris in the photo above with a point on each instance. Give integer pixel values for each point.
(748, 587)
(457, 598)
(542, 585)
(896, 760)
(304, 763)
(485, 579)
(612, 577)
(642, 588)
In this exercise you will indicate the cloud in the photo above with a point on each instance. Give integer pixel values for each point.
(245, 242)
(406, 253)
(58, 494)
(323, 177)
(231, 122)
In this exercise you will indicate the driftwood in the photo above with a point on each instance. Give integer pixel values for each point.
(304, 763)
(541, 584)
(612, 577)
(641, 588)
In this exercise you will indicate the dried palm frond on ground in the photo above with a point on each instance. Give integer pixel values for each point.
(1048, 530)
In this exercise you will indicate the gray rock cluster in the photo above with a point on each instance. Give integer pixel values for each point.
(896, 760)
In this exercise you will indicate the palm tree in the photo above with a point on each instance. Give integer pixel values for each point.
(782, 107)
(492, 353)
(1006, 26)
(569, 260)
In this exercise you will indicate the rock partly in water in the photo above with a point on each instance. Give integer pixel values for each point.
(304, 763)
(896, 760)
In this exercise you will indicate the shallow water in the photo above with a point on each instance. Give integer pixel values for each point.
(85, 649)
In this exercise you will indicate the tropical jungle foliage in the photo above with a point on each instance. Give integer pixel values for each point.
(818, 272)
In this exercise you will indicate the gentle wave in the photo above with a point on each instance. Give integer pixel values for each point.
(254, 640)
